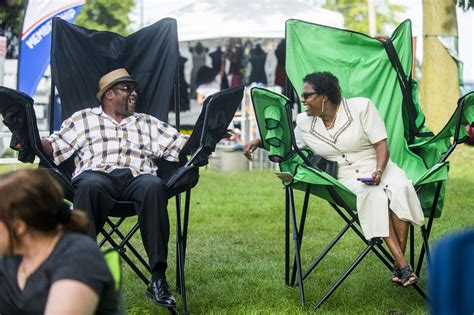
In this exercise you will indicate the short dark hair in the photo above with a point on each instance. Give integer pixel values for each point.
(325, 83)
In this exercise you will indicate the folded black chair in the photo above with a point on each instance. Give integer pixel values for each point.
(217, 113)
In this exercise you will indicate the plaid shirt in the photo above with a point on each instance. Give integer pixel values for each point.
(103, 144)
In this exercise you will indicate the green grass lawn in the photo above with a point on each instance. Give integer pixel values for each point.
(234, 259)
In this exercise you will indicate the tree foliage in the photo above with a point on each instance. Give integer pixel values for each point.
(469, 4)
(11, 17)
(106, 15)
(356, 14)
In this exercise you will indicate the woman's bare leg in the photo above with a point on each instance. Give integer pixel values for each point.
(394, 245)
(401, 230)
(396, 242)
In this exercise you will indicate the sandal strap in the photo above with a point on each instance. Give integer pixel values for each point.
(407, 273)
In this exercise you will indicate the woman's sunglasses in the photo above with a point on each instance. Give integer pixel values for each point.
(307, 94)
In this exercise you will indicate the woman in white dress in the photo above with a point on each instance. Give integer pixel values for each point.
(352, 132)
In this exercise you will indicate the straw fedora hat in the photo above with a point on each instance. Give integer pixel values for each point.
(110, 79)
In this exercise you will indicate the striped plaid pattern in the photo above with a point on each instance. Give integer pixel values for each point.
(103, 144)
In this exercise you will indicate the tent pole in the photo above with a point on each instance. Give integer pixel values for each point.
(176, 97)
(52, 105)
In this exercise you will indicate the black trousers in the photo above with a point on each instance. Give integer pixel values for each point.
(96, 192)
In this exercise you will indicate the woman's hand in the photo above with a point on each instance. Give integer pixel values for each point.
(250, 147)
(377, 177)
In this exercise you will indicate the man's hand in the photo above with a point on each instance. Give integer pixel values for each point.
(47, 148)
(250, 147)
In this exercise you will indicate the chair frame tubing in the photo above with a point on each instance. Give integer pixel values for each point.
(181, 237)
(374, 245)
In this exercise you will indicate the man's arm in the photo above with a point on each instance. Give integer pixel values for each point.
(47, 148)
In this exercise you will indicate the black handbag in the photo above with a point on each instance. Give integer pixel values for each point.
(324, 165)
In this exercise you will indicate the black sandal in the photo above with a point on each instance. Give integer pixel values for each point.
(408, 276)
(396, 277)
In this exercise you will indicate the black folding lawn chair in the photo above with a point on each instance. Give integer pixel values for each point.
(211, 126)
(79, 58)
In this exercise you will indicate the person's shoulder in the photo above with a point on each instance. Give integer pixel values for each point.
(360, 104)
(148, 118)
(78, 242)
(359, 100)
(86, 111)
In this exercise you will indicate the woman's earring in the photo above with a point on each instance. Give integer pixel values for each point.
(322, 107)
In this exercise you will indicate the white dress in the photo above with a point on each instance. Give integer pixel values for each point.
(350, 142)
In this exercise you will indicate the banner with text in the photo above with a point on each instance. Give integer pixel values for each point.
(35, 46)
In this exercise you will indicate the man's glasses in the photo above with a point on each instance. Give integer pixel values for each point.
(129, 88)
(307, 94)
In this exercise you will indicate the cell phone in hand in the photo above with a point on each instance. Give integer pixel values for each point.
(365, 179)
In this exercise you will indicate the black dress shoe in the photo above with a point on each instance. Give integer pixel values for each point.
(160, 292)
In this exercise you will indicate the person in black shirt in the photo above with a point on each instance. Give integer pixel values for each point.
(49, 264)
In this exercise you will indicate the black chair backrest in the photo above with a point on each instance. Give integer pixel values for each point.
(25, 132)
(79, 57)
(12, 104)
(217, 113)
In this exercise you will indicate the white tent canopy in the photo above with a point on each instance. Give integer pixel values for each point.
(214, 19)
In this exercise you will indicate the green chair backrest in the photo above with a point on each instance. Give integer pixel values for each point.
(373, 68)
(363, 68)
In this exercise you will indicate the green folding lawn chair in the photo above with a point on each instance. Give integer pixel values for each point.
(379, 70)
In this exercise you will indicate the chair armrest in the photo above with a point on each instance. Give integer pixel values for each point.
(437, 172)
(184, 178)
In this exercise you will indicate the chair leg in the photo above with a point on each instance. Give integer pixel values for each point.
(125, 257)
(186, 219)
(426, 231)
(296, 245)
(412, 245)
(287, 236)
(126, 242)
(425, 248)
(180, 257)
(326, 250)
(301, 229)
(346, 274)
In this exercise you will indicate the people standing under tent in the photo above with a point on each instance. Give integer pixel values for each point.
(198, 54)
(208, 81)
(257, 60)
(246, 66)
(217, 63)
(234, 54)
(183, 88)
(280, 74)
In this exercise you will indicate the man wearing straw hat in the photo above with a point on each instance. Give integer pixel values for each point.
(114, 148)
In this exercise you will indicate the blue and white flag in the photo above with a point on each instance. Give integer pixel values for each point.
(35, 46)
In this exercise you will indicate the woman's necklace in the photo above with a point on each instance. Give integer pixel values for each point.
(331, 125)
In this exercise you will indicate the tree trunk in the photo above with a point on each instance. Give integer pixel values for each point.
(439, 84)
